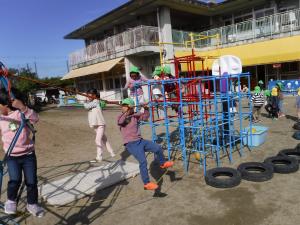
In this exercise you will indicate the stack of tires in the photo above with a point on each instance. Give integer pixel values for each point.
(296, 126)
(287, 161)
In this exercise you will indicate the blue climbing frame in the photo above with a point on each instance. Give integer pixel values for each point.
(211, 118)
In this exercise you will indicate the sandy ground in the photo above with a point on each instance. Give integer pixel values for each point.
(65, 145)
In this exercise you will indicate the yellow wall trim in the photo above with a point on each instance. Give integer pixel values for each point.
(265, 52)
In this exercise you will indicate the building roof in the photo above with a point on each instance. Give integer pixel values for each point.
(134, 7)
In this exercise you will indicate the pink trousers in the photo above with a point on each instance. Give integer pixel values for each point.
(101, 142)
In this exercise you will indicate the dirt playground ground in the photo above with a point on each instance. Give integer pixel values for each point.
(65, 145)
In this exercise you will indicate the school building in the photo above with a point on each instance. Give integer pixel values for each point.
(264, 34)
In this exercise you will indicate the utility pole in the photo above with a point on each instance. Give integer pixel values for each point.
(35, 67)
(68, 69)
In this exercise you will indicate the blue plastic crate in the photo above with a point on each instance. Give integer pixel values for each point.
(71, 101)
(258, 138)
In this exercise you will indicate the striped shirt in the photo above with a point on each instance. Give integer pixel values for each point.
(258, 99)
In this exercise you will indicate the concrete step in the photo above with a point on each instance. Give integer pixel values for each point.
(74, 187)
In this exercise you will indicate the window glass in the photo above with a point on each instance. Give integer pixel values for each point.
(293, 66)
(289, 67)
(269, 12)
(117, 83)
(99, 85)
(271, 69)
(123, 81)
(109, 84)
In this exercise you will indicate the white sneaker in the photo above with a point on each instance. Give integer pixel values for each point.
(35, 210)
(10, 207)
(99, 159)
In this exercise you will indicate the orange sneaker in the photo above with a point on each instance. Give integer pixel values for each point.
(150, 186)
(167, 164)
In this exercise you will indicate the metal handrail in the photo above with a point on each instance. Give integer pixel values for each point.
(109, 47)
(253, 29)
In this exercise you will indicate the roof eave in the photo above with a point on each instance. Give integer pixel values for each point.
(73, 34)
(129, 6)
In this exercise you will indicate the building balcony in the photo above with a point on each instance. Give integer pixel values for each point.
(138, 39)
(264, 28)
(143, 39)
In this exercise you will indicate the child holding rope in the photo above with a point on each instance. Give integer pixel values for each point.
(97, 122)
(22, 158)
(135, 144)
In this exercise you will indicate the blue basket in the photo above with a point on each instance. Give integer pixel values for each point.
(258, 138)
(71, 101)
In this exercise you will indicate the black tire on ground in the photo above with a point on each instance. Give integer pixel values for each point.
(295, 153)
(296, 135)
(283, 164)
(256, 171)
(215, 177)
(296, 126)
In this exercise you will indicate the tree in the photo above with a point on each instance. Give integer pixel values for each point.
(26, 86)
(56, 81)
(22, 85)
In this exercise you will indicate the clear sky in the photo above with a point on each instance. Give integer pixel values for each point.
(33, 30)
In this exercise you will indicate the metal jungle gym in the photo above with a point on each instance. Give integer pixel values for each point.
(206, 122)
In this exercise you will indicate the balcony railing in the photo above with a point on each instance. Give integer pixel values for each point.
(110, 47)
(252, 30)
(265, 27)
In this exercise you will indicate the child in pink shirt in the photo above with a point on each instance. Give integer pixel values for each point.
(136, 92)
(22, 158)
(128, 121)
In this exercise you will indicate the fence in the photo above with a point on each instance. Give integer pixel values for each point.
(276, 24)
(109, 47)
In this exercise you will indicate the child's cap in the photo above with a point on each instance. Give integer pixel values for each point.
(128, 101)
(280, 85)
(257, 90)
(167, 69)
(260, 82)
(267, 93)
(134, 69)
(157, 71)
